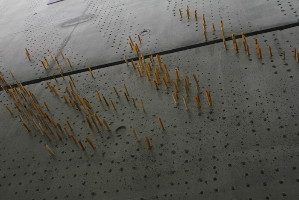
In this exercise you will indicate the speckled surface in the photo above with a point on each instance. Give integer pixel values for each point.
(243, 147)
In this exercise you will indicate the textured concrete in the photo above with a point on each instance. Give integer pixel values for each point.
(244, 147)
(95, 32)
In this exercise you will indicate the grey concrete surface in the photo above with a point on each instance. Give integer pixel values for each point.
(244, 147)
(93, 32)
